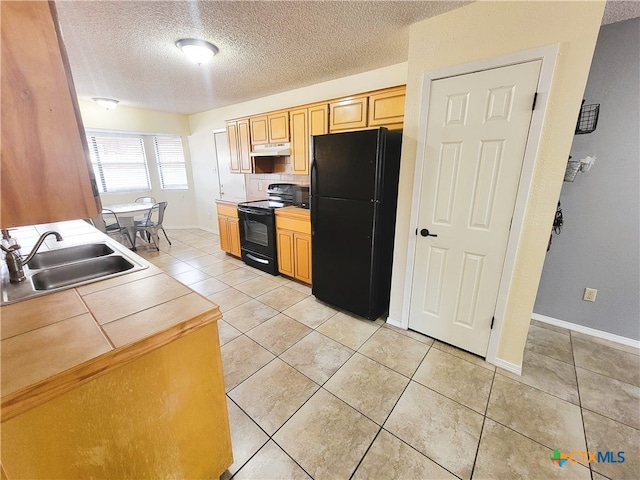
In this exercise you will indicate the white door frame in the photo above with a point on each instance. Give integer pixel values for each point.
(548, 55)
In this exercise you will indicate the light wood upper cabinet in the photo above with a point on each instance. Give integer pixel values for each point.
(239, 146)
(305, 122)
(46, 174)
(349, 114)
(232, 140)
(299, 120)
(271, 128)
(259, 130)
(244, 146)
(319, 119)
(386, 108)
(278, 127)
(380, 108)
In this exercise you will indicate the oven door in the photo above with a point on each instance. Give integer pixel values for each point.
(257, 230)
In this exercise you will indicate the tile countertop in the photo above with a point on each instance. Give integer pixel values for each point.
(53, 343)
(231, 200)
(294, 212)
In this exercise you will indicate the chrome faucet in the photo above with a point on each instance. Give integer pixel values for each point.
(16, 263)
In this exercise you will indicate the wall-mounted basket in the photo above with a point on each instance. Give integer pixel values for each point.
(588, 118)
(573, 167)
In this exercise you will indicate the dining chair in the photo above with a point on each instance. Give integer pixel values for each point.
(145, 200)
(150, 226)
(113, 228)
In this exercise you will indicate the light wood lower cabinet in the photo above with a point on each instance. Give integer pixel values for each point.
(302, 256)
(293, 233)
(229, 227)
(161, 415)
(286, 258)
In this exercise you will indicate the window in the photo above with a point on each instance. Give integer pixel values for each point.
(119, 163)
(171, 164)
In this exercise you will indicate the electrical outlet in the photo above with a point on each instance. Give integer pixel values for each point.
(590, 294)
(260, 186)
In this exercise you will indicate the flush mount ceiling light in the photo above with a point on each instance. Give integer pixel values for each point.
(106, 103)
(198, 51)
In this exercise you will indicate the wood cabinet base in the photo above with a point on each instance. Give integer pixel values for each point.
(229, 228)
(163, 415)
(293, 234)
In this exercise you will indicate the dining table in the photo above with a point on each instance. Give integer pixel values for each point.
(127, 212)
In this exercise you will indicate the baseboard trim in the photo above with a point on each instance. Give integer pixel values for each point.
(508, 366)
(183, 227)
(393, 322)
(586, 330)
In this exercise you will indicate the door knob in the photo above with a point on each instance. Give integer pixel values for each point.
(425, 233)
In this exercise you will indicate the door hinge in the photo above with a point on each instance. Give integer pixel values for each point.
(535, 99)
(492, 320)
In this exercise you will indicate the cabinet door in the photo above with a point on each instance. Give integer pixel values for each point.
(232, 140)
(278, 127)
(302, 249)
(259, 130)
(244, 146)
(299, 142)
(386, 109)
(285, 252)
(46, 176)
(223, 228)
(319, 119)
(234, 236)
(349, 114)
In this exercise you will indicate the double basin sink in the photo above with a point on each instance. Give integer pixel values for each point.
(69, 267)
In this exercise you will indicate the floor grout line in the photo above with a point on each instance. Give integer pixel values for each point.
(321, 386)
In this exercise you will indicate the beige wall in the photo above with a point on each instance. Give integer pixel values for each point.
(484, 30)
(181, 210)
(203, 124)
(133, 119)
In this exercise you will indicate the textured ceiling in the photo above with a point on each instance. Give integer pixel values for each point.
(126, 49)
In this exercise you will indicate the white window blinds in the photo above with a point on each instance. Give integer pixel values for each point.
(171, 163)
(119, 163)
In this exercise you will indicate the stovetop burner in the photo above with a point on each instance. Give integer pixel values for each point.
(279, 195)
(268, 204)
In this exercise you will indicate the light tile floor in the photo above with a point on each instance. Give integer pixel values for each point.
(314, 392)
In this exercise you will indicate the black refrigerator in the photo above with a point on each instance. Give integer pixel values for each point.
(354, 192)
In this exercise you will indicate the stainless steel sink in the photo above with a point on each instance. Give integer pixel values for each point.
(60, 269)
(78, 272)
(70, 254)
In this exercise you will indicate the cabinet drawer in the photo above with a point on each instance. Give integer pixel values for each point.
(228, 210)
(293, 224)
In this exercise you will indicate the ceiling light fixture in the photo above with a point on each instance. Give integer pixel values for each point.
(198, 51)
(106, 103)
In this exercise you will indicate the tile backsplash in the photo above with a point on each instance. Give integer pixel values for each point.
(256, 184)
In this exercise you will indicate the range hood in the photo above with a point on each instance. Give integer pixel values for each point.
(271, 150)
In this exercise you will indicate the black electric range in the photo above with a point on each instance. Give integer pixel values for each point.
(258, 226)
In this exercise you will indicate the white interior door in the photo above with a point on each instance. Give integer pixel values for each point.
(231, 184)
(477, 130)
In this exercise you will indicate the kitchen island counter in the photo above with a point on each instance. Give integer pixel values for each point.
(92, 368)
